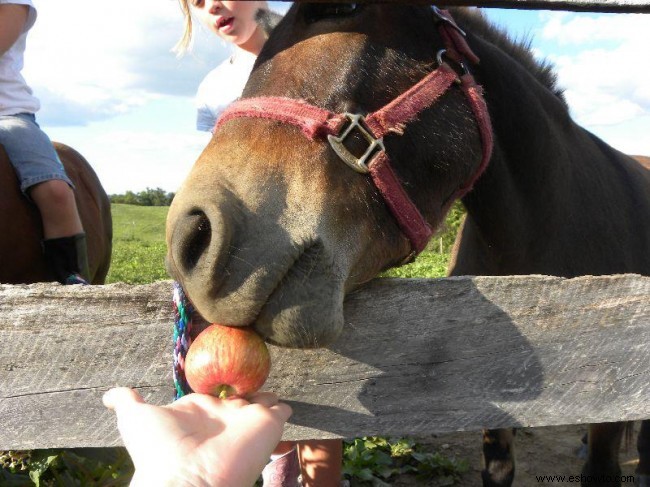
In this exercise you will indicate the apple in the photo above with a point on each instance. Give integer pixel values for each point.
(227, 361)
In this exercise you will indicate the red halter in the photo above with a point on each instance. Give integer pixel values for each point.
(316, 122)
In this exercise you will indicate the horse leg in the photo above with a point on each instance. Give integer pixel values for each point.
(498, 457)
(643, 445)
(602, 468)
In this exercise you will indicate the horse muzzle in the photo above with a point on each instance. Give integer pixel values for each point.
(243, 269)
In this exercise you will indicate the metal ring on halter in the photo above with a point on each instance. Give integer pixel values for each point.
(439, 60)
(359, 164)
(443, 18)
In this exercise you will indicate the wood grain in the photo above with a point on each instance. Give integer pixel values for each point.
(417, 356)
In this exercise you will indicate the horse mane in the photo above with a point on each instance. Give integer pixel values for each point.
(267, 19)
(475, 22)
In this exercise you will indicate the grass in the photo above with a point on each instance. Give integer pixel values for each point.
(139, 248)
(138, 244)
(427, 265)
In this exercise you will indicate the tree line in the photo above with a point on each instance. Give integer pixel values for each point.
(148, 197)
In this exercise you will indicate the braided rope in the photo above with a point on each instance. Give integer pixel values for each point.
(182, 326)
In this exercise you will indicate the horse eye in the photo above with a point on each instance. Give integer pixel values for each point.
(320, 11)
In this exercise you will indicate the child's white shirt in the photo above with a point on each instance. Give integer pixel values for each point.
(15, 95)
(222, 86)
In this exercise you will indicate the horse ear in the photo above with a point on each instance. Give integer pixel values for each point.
(267, 19)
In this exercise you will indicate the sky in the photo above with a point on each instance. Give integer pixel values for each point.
(111, 88)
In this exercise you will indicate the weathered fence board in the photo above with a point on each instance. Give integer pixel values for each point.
(416, 356)
(638, 6)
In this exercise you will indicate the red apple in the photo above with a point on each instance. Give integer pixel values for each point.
(227, 361)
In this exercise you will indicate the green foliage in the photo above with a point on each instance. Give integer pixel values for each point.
(148, 197)
(433, 262)
(450, 227)
(374, 461)
(100, 467)
(427, 265)
(138, 244)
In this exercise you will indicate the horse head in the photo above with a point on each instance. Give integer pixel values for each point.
(357, 129)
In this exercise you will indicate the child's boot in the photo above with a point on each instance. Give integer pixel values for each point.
(67, 258)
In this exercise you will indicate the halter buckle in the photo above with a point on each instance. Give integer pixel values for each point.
(357, 163)
(450, 22)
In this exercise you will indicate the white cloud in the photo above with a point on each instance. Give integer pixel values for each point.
(89, 61)
(127, 160)
(600, 63)
(111, 88)
(566, 28)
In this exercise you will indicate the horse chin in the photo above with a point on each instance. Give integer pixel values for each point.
(303, 314)
(302, 307)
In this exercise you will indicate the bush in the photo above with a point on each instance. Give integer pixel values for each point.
(148, 197)
(374, 461)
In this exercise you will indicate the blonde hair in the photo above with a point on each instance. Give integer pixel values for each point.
(184, 43)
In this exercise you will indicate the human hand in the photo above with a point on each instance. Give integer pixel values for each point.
(198, 440)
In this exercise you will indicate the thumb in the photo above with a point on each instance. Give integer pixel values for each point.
(121, 396)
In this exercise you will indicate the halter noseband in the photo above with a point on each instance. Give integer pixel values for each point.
(316, 122)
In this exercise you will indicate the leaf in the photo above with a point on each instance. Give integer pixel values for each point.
(40, 463)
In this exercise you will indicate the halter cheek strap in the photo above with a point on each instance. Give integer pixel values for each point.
(317, 123)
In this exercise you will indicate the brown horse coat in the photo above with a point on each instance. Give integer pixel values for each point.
(21, 257)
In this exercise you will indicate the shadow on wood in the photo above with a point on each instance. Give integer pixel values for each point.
(416, 356)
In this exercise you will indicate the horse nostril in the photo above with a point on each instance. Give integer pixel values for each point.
(196, 240)
(199, 244)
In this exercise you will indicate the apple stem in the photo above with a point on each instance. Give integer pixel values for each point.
(224, 391)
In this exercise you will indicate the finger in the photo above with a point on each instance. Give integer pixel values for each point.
(121, 396)
(282, 411)
(207, 402)
(267, 399)
(204, 402)
(235, 402)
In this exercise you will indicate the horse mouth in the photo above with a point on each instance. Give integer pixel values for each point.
(299, 305)
(305, 309)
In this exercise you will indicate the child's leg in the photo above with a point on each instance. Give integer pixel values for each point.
(284, 468)
(43, 179)
(64, 243)
(56, 203)
(321, 462)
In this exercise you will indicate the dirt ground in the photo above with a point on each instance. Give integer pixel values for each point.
(538, 451)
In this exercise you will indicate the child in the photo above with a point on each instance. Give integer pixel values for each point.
(40, 172)
(236, 23)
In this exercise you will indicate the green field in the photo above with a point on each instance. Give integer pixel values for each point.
(139, 248)
(138, 244)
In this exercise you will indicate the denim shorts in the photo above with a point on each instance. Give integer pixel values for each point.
(30, 151)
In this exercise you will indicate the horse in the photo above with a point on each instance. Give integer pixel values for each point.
(21, 232)
(358, 128)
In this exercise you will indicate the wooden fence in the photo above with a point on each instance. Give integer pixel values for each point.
(632, 6)
(416, 357)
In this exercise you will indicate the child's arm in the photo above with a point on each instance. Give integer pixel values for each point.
(12, 22)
